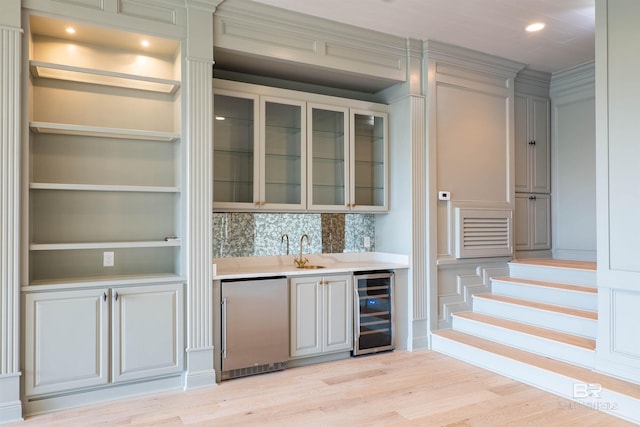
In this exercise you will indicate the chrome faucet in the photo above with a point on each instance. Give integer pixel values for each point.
(285, 236)
(301, 262)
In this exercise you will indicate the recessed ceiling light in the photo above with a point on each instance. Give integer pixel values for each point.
(220, 118)
(70, 30)
(536, 26)
(145, 43)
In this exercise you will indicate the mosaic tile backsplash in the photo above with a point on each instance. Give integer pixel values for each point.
(258, 234)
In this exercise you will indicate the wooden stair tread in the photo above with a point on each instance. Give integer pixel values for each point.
(537, 331)
(541, 306)
(560, 263)
(561, 368)
(576, 288)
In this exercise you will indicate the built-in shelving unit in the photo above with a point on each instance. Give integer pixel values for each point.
(104, 164)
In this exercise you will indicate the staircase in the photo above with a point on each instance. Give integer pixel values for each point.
(539, 326)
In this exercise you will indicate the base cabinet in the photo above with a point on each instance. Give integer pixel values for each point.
(321, 315)
(66, 341)
(85, 338)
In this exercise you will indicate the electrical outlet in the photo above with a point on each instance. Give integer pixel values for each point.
(108, 259)
(444, 195)
(367, 242)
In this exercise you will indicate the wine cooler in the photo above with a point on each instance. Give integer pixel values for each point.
(373, 320)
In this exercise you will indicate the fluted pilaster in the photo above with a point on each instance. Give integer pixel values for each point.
(200, 199)
(200, 371)
(197, 119)
(10, 44)
(420, 219)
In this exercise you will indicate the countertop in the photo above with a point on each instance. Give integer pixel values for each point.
(270, 266)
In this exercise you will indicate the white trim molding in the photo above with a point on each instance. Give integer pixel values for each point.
(10, 50)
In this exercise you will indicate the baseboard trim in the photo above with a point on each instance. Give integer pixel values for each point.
(10, 404)
(41, 404)
(200, 379)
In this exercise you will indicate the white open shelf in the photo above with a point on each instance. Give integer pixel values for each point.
(105, 132)
(103, 245)
(50, 70)
(95, 187)
(107, 280)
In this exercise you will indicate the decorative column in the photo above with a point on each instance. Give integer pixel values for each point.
(10, 48)
(198, 102)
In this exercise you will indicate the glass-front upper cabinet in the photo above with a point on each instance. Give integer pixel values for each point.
(259, 152)
(328, 157)
(235, 150)
(282, 163)
(368, 181)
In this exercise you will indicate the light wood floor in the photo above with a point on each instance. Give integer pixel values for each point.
(390, 389)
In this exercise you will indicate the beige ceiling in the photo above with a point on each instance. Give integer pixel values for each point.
(491, 26)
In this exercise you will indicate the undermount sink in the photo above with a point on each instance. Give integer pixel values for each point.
(310, 267)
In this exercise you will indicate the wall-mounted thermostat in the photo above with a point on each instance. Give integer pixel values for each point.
(444, 195)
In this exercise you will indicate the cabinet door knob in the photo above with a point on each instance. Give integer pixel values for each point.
(104, 296)
(532, 142)
(532, 197)
(116, 296)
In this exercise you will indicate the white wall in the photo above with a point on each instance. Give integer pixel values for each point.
(573, 163)
(618, 175)
(470, 98)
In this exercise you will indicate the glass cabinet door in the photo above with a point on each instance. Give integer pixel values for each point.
(235, 138)
(369, 161)
(328, 160)
(283, 143)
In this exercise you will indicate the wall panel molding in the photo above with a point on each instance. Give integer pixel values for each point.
(458, 284)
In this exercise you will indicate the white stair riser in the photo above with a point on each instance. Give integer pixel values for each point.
(549, 295)
(532, 316)
(625, 407)
(553, 274)
(548, 348)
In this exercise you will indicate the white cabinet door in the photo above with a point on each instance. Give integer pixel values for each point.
(532, 221)
(236, 150)
(328, 157)
(283, 144)
(541, 222)
(321, 315)
(66, 340)
(369, 161)
(532, 144)
(522, 147)
(540, 153)
(306, 316)
(522, 222)
(338, 309)
(147, 331)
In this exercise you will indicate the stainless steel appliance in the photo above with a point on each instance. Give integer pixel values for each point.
(373, 320)
(255, 326)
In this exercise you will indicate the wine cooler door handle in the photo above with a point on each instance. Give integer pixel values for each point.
(356, 315)
(224, 328)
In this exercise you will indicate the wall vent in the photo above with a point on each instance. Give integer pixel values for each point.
(482, 233)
